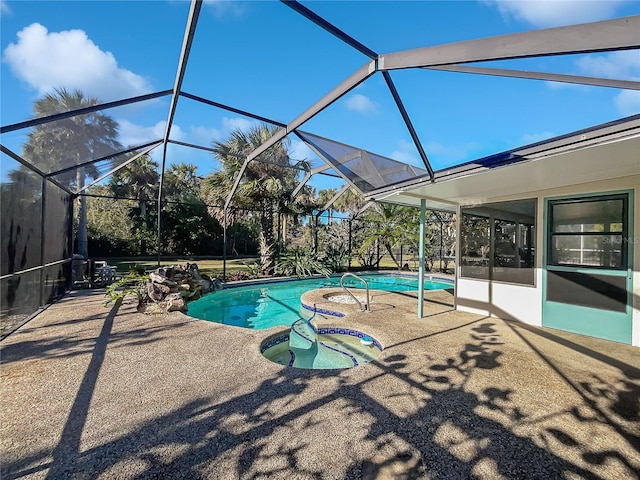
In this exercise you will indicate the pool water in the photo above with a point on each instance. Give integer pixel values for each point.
(334, 348)
(268, 305)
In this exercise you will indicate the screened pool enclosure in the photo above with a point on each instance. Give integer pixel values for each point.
(44, 188)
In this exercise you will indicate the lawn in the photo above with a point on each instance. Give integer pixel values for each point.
(214, 267)
(210, 267)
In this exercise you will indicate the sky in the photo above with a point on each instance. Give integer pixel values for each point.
(262, 57)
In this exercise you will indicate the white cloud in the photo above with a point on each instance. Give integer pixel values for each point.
(621, 65)
(4, 8)
(132, 134)
(69, 59)
(553, 13)
(624, 64)
(204, 135)
(406, 153)
(237, 123)
(360, 103)
(201, 135)
(628, 102)
(223, 8)
(567, 86)
(298, 150)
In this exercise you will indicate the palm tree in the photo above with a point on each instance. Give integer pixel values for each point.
(324, 196)
(350, 202)
(262, 187)
(139, 180)
(390, 225)
(181, 182)
(63, 143)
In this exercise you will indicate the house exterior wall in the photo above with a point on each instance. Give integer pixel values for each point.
(524, 302)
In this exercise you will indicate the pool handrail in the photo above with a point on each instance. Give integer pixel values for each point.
(367, 307)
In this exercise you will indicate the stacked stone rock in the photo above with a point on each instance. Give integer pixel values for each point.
(174, 285)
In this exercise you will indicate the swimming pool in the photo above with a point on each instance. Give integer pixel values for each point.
(271, 304)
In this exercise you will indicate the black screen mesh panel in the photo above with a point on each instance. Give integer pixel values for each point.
(20, 219)
(26, 247)
(56, 280)
(57, 224)
(20, 295)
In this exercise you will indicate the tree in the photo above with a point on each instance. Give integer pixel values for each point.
(188, 228)
(71, 141)
(139, 180)
(324, 196)
(390, 225)
(109, 224)
(265, 183)
(350, 202)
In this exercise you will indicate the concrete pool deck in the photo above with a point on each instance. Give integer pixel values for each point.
(90, 391)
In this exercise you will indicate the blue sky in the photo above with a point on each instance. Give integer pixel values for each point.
(264, 58)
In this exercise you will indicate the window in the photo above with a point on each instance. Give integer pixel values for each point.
(498, 242)
(475, 246)
(588, 232)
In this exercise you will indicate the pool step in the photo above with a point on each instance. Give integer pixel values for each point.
(303, 335)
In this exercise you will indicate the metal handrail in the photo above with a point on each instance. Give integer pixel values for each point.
(367, 307)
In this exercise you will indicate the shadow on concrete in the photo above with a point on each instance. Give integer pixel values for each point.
(452, 430)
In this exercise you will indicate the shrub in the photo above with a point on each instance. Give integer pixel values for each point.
(336, 258)
(132, 284)
(237, 276)
(301, 263)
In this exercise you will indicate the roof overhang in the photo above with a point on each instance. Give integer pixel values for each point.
(597, 154)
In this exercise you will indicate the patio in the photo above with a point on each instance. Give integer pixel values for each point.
(106, 392)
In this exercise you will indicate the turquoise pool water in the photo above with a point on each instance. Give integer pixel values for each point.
(272, 304)
(333, 348)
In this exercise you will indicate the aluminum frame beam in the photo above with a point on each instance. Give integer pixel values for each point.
(421, 257)
(307, 177)
(331, 28)
(616, 34)
(82, 111)
(348, 84)
(231, 109)
(550, 77)
(364, 208)
(106, 157)
(408, 123)
(352, 81)
(122, 165)
(33, 168)
(192, 22)
(333, 199)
